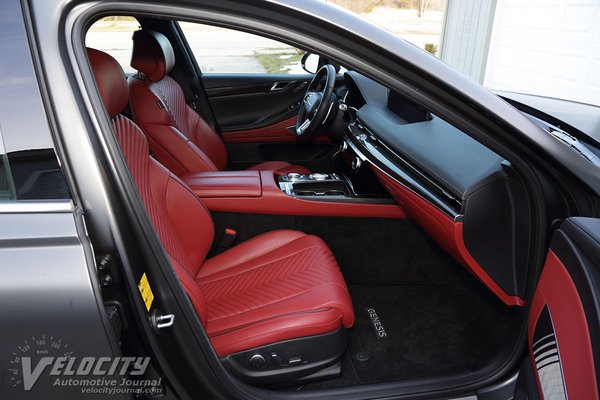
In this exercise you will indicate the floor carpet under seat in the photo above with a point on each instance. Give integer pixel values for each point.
(438, 319)
(430, 330)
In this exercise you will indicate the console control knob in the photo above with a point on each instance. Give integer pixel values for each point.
(318, 177)
(356, 163)
(293, 176)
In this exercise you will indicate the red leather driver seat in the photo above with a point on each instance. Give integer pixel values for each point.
(267, 304)
(179, 138)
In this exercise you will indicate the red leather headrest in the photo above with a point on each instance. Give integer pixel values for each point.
(152, 54)
(111, 81)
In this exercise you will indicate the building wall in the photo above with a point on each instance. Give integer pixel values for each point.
(466, 34)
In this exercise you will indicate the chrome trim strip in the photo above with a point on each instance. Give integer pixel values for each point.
(33, 206)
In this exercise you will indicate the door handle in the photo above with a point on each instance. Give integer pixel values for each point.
(280, 86)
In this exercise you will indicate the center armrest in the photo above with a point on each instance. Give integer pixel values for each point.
(225, 183)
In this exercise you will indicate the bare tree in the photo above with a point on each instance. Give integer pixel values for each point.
(421, 7)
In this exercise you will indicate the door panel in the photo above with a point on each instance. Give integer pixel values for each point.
(279, 132)
(257, 117)
(251, 101)
(564, 321)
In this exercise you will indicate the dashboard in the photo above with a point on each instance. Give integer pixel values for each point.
(467, 197)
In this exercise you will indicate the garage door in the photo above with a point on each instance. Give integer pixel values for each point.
(547, 48)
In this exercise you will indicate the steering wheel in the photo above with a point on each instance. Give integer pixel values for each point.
(315, 106)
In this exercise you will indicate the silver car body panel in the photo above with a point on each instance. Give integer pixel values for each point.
(49, 295)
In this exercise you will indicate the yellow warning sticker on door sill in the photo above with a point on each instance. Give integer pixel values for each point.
(147, 295)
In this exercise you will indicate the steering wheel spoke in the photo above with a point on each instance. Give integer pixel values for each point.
(316, 104)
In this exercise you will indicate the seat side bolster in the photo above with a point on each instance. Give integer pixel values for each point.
(205, 137)
(192, 290)
(330, 296)
(194, 225)
(276, 330)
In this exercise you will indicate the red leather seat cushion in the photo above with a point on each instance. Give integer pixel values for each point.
(277, 286)
(279, 167)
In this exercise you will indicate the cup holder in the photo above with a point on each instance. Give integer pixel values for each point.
(331, 187)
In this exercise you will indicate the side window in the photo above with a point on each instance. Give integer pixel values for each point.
(112, 35)
(7, 187)
(227, 51)
(29, 167)
(30, 173)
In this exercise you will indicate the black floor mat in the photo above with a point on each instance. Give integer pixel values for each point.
(439, 320)
(430, 330)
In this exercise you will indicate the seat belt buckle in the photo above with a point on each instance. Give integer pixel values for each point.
(227, 239)
(194, 102)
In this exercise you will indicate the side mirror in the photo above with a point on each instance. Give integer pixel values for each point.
(310, 62)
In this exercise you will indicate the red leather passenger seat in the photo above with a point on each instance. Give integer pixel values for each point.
(179, 138)
(276, 287)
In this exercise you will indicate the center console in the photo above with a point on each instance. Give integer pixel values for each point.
(315, 185)
(263, 192)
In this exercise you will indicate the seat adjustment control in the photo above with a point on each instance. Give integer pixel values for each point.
(295, 360)
(286, 362)
(277, 358)
(257, 361)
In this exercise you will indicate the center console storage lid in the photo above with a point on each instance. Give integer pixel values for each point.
(225, 183)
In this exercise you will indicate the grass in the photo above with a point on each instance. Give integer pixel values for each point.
(276, 62)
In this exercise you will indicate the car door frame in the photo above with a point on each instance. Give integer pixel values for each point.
(465, 108)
